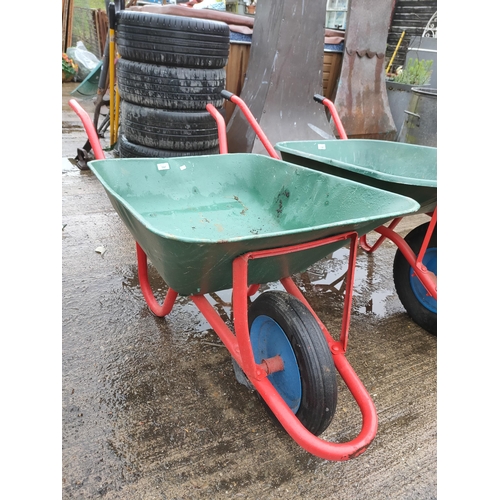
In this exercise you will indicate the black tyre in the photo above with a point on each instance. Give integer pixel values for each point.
(128, 149)
(280, 324)
(173, 130)
(167, 87)
(172, 40)
(420, 306)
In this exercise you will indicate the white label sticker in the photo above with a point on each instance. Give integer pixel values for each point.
(163, 166)
(321, 146)
(183, 167)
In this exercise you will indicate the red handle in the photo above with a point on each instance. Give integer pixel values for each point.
(221, 127)
(253, 122)
(89, 128)
(333, 111)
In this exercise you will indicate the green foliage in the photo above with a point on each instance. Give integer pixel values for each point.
(90, 4)
(417, 72)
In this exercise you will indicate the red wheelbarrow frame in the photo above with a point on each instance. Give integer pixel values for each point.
(238, 343)
(426, 277)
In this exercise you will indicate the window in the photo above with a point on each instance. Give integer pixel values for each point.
(336, 14)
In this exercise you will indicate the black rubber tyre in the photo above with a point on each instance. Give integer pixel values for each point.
(172, 40)
(167, 87)
(173, 130)
(421, 307)
(128, 149)
(274, 315)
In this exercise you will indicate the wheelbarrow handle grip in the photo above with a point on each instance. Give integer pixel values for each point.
(226, 94)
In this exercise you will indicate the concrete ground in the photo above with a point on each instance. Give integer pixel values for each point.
(151, 408)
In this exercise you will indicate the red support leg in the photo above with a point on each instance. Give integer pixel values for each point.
(363, 243)
(154, 306)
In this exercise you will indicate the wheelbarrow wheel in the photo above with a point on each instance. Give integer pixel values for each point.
(282, 325)
(419, 304)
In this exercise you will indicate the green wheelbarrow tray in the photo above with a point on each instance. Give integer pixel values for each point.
(194, 215)
(406, 169)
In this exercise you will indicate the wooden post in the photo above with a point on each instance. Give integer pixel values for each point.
(67, 24)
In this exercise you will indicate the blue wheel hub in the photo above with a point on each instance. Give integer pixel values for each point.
(430, 262)
(268, 340)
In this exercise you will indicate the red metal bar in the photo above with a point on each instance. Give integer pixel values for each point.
(363, 243)
(212, 316)
(335, 116)
(428, 279)
(154, 306)
(293, 289)
(253, 122)
(321, 448)
(273, 252)
(240, 316)
(427, 238)
(221, 128)
(88, 124)
(253, 289)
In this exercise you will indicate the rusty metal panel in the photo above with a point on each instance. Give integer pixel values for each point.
(285, 70)
(361, 98)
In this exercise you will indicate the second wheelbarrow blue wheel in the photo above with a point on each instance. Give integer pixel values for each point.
(419, 304)
(282, 325)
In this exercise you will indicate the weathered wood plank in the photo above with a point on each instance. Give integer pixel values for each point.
(412, 17)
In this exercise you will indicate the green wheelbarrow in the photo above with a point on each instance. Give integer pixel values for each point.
(237, 221)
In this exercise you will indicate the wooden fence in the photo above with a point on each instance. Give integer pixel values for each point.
(88, 25)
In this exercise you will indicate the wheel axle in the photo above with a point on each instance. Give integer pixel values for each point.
(272, 365)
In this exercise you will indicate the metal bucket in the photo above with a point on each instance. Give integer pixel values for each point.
(399, 96)
(420, 125)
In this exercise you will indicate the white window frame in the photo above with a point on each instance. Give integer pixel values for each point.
(336, 14)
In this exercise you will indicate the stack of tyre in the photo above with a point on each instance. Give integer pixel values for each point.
(169, 68)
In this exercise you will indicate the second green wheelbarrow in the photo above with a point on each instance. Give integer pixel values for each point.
(401, 168)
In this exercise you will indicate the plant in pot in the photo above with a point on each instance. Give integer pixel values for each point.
(416, 73)
(69, 68)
